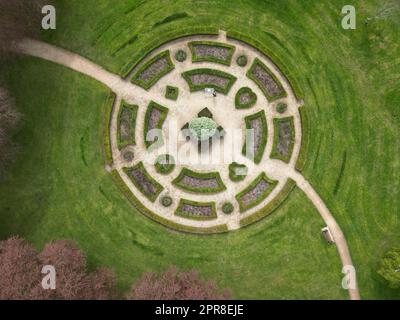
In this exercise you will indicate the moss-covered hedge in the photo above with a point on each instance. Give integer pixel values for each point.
(178, 181)
(222, 228)
(259, 151)
(276, 154)
(164, 112)
(131, 111)
(212, 72)
(147, 84)
(148, 181)
(250, 103)
(271, 206)
(180, 211)
(108, 110)
(261, 178)
(210, 58)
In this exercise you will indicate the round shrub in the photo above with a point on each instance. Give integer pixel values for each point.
(180, 55)
(203, 128)
(165, 164)
(241, 61)
(245, 98)
(281, 107)
(166, 201)
(128, 156)
(237, 172)
(227, 208)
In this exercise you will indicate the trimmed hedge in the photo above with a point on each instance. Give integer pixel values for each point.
(281, 107)
(108, 109)
(275, 154)
(222, 228)
(133, 109)
(164, 112)
(202, 176)
(196, 58)
(180, 55)
(251, 103)
(271, 55)
(165, 168)
(166, 201)
(242, 61)
(271, 97)
(148, 84)
(213, 72)
(172, 93)
(272, 184)
(140, 185)
(260, 151)
(305, 139)
(271, 206)
(185, 214)
(227, 208)
(233, 167)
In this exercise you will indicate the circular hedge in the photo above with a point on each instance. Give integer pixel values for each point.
(165, 164)
(166, 201)
(227, 208)
(180, 55)
(245, 98)
(241, 61)
(203, 128)
(281, 107)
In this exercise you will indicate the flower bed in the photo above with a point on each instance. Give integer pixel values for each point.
(127, 125)
(266, 80)
(245, 98)
(284, 136)
(256, 192)
(199, 79)
(154, 119)
(165, 164)
(212, 52)
(198, 182)
(153, 70)
(144, 182)
(196, 210)
(256, 140)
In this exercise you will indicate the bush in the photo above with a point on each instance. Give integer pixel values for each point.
(171, 93)
(281, 107)
(203, 128)
(165, 164)
(166, 201)
(227, 208)
(250, 101)
(242, 61)
(237, 172)
(389, 268)
(180, 55)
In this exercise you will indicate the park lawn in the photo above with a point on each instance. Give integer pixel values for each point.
(348, 80)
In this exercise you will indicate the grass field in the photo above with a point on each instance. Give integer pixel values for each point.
(349, 81)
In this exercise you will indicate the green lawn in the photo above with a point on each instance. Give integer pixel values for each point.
(348, 80)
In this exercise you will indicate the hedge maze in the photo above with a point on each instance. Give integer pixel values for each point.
(225, 195)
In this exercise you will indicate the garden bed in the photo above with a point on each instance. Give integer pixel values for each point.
(212, 52)
(284, 136)
(197, 182)
(245, 98)
(153, 70)
(259, 136)
(266, 81)
(144, 182)
(127, 125)
(196, 210)
(199, 79)
(256, 192)
(154, 119)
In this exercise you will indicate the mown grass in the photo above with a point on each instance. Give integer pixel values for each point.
(348, 80)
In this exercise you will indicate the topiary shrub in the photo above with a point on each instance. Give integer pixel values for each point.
(227, 208)
(203, 128)
(172, 93)
(166, 201)
(128, 156)
(180, 55)
(242, 61)
(281, 107)
(245, 98)
(237, 172)
(165, 164)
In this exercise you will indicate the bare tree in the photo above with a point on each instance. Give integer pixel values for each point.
(175, 285)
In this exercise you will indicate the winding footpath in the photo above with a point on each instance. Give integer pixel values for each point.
(125, 89)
